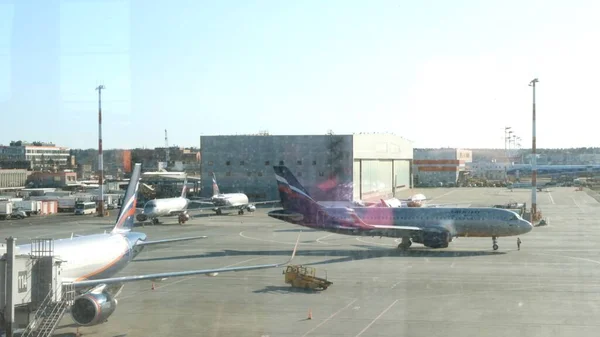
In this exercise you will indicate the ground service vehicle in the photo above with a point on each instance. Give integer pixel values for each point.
(304, 277)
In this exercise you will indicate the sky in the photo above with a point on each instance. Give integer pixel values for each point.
(439, 73)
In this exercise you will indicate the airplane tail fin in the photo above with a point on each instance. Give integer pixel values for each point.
(126, 216)
(184, 189)
(293, 195)
(215, 187)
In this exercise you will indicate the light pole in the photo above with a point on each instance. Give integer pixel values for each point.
(100, 156)
(533, 158)
(506, 139)
(510, 134)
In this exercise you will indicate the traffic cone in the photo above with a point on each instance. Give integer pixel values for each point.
(309, 314)
(153, 286)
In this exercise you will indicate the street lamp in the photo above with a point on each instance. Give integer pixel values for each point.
(533, 157)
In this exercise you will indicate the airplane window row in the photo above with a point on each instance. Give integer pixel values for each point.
(260, 174)
(411, 218)
(267, 163)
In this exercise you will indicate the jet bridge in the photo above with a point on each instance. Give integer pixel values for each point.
(33, 298)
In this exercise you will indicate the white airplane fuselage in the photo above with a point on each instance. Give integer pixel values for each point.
(92, 256)
(230, 200)
(473, 222)
(164, 207)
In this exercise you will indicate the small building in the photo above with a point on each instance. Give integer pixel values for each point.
(490, 170)
(440, 167)
(42, 156)
(12, 179)
(52, 179)
(84, 171)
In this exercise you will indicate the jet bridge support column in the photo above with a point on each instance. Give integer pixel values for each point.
(9, 312)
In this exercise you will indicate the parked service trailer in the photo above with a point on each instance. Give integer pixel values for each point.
(66, 204)
(6, 209)
(29, 206)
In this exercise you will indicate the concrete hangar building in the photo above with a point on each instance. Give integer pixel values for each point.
(331, 167)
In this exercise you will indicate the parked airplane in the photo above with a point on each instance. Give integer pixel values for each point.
(540, 187)
(90, 261)
(432, 227)
(166, 207)
(239, 201)
(552, 169)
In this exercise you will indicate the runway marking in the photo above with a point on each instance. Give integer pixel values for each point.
(187, 278)
(376, 318)
(577, 204)
(551, 199)
(397, 283)
(273, 241)
(442, 195)
(375, 243)
(330, 317)
(569, 257)
(325, 243)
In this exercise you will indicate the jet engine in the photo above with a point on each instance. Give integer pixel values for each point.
(92, 308)
(251, 208)
(141, 217)
(434, 239)
(183, 217)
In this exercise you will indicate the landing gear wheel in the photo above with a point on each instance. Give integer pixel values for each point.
(405, 244)
(219, 212)
(154, 221)
(495, 243)
(495, 246)
(241, 212)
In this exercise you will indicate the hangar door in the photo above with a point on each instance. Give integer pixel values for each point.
(401, 174)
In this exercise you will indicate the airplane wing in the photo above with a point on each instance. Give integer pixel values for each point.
(378, 229)
(156, 242)
(265, 202)
(201, 202)
(394, 231)
(157, 276)
(446, 205)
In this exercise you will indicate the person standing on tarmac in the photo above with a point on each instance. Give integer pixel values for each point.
(519, 243)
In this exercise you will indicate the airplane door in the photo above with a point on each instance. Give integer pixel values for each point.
(321, 218)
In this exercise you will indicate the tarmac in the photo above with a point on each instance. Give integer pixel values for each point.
(548, 288)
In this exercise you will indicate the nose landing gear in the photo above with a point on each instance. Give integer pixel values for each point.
(495, 243)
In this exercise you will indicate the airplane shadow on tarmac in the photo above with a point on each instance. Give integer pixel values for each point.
(339, 255)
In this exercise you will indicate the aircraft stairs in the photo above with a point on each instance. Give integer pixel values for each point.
(50, 312)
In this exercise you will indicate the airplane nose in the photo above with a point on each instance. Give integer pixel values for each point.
(525, 226)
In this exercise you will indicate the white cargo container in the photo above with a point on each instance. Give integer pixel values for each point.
(66, 204)
(6, 209)
(29, 206)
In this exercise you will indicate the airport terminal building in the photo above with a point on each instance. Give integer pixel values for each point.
(331, 167)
